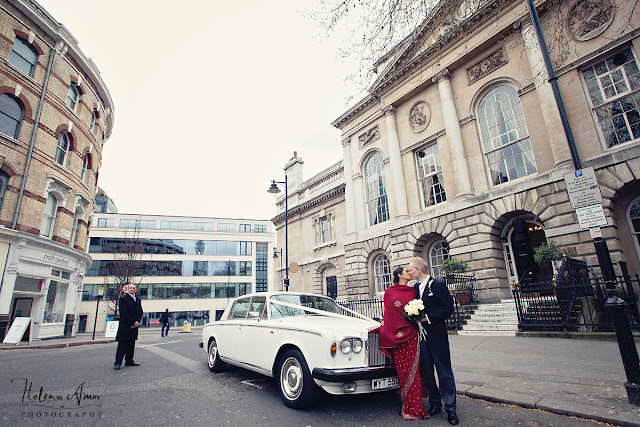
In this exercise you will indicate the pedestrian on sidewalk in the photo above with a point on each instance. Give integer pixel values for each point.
(434, 351)
(131, 312)
(164, 320)
(399, 341)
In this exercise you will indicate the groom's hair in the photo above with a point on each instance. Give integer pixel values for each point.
(420, 264)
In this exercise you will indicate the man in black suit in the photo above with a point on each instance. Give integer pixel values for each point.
(435, 352)
(130, 316)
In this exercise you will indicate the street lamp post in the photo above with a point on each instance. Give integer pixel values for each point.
(275, 255)
(274, 190)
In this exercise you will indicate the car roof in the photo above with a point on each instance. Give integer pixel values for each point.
(272, 293)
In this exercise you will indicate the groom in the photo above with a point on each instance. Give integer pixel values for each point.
(434, 352)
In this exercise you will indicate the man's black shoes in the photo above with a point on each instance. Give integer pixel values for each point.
(132, 364)
(432, 410)
(116, 366)
(453, 418)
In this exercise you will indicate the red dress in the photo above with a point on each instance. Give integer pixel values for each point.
(399, 341)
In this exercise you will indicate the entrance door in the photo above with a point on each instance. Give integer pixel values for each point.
(332, 287)
(82, 323)
(22, 308)
(524, 238)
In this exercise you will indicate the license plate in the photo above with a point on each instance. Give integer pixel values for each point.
(382, 383)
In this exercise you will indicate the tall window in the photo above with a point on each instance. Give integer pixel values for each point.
(376, 193)
(245, 228)
(23, 56)
(74, 227)
(324, 230)
(614, 89)
(73, 96)
(504, 135)
(4, 180)
(63, 147)
(11, 115)
(438, 253)
(262, 261)
(633, 217)
(430, 175)
(85, 166)
(94, 119)
(381, 273)
(49, 216)
(56, 297)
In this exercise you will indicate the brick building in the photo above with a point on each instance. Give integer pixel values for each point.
(459, 151)
(55, 115)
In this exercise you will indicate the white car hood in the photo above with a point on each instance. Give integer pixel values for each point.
(340, 327)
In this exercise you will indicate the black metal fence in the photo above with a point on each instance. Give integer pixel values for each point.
(576, 304)
(461, 287)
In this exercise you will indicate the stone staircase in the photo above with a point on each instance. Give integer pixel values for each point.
(499, 319)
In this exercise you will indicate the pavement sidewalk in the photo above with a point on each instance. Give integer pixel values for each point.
(580, 378)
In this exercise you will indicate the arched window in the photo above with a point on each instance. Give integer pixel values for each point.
(633, 218)
(376, 193)
(504, 135)
(438, 253)
(381, 273)
(86, 161)
(74, 228)
(63, 147)
(11, 115)
(94, 119)
(430, 175)
(4, 180)
(73, 96)
(23, 56)
(49, 216)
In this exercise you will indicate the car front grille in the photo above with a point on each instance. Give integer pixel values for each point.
(376, 358)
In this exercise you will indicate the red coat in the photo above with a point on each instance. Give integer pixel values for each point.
(396, 329)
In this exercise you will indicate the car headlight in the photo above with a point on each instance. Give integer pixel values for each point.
(351, 345)
(345, 346)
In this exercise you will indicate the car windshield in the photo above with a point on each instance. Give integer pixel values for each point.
(318, 303)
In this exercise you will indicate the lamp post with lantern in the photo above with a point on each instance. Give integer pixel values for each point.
(274, 189)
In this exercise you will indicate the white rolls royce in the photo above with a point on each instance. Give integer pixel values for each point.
(305, 341)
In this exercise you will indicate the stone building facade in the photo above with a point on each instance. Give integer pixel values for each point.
(55, 115)
(459, 148)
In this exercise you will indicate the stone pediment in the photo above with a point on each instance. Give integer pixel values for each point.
(445, 22)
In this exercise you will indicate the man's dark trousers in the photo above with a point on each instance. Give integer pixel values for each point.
(125, 350)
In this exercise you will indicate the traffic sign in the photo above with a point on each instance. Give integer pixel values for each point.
(583, 188)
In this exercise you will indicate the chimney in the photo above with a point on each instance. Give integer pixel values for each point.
(293, 170)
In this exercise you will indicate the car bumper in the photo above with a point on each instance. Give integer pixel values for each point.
(351, 381)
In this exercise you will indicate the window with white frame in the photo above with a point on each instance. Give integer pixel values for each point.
(614, 91)
(106, 222)
(381, 273)
(23, 56)
(85, 167)
(94, 119)
(324, 230)
(633, 219)
(245, 228)
(11, 115)
(64, 141)
(259, 228)
(438, 253)
(74, 227)
(504, 135)
(430, 175)
(73, 96)
(56, 301)
(49, 216)
(376, 193)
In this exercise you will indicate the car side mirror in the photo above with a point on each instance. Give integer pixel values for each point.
(254, 315)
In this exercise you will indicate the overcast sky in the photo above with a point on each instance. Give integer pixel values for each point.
(211, 99)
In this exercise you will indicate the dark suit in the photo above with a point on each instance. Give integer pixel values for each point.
(434, 352)
(130, 313)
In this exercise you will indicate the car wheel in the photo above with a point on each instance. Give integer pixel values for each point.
(213, 360)
(297, 388)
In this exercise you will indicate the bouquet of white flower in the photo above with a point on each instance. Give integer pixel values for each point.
(414, 312)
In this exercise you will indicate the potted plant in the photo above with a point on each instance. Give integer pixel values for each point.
(463, 291)
(549, 252)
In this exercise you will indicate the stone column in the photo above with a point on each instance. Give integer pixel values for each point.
(399, 192)
(454, 134)
(349, 194)
(553, 123)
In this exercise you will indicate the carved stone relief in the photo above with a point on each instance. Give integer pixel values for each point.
(419, 116)
(589, 18)
(369, 136)
(487, 65)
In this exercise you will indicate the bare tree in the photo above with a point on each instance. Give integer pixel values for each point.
(125, 267)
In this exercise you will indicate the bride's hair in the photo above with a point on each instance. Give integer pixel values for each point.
(397, 273)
